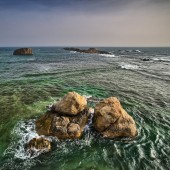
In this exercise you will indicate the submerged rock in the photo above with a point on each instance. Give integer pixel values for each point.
(23, 51)
(111, 120)
(71, 104)
(40, 144)
(63, 127)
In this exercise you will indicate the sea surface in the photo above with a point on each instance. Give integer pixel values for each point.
(28, 84)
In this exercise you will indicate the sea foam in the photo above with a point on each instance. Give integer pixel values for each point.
(107, 55)
(25, 131)
(129, 66)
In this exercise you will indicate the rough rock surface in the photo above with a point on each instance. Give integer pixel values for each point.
(41, 144)
(112, 121)
(71, 104)
(23, 51)
(63, 127)
(90, 50)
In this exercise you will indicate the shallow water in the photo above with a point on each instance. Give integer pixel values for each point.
(30, 83)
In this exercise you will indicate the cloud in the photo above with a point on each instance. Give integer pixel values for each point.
(85, 22)
(71, 4)
(84, 6)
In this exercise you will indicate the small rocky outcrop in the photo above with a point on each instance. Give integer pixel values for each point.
(40, 144)
(71, 104)
(90, 50)
(112, 121)
(67, 118)
(23, 51)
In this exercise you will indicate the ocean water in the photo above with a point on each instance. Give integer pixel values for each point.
(30, 83)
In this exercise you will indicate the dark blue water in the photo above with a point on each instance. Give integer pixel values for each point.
(29, 83)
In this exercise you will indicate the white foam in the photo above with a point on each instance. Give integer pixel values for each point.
(129, 66)
(138, 51)
(108, 55)
(25, 131)
(73, 52)
(87, 96)
(140, 151)
(166, 59)
(43, 67)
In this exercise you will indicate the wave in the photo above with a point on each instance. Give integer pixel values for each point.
(107, 55)
(138, 51)
(25, 131)
(129, 66)
(130, 51)
(73, 52)
(161, 59)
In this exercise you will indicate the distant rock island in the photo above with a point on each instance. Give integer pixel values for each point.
(23, 51)
(90, 50)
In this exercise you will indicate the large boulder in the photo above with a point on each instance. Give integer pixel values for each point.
(63, 127)
(40, 144)
(112, 121)
(23, 51)
(71, 104)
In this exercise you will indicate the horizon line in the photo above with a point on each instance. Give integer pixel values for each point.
(35, 46)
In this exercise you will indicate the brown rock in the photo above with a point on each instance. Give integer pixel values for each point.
(71, 104)
(90, 50)
(23, 51)
(41, 144)
(74, 130)
(111, 120)
(63, 127)
(44, 124)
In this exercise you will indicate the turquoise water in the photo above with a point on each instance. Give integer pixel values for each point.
(30, 83)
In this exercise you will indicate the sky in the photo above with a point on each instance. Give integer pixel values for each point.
(85, 23)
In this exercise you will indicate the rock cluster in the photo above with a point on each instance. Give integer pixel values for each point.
(90, 50)
(112, 121)
(23, 51)
(68, 118)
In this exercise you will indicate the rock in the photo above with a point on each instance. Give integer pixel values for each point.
(72, 49)
(71, 104)
(63, 127)
(74, 130)
(90, 50)
(112, 121)
(40, 144)
(23, 51)
(146, 59)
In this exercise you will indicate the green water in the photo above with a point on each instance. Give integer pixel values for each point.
(28, 85)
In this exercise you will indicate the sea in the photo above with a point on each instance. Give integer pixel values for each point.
(138, 77)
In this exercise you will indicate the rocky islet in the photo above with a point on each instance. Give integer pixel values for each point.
(68, 118)
(23, 51)
(90, 50)
(112, 121)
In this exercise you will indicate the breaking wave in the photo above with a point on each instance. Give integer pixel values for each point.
(108, 55)
(129, 66)
(25, 131)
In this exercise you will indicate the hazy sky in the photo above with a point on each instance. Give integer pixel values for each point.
(84, 22)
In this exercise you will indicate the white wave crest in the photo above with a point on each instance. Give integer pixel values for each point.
(25, 131)
(163, 59)
(138, 51)
(108, 55)
(129, 66)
